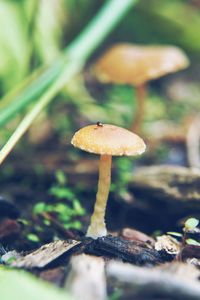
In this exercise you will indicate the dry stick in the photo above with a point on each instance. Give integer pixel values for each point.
(46, 254)
(86, 280)
(148, 282)
(78, 52)
(141, 92)
(57, 225)
(193, 143)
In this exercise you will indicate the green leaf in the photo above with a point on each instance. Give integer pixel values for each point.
(63, 209)
(25, 222)
(64, 218)
(62, 193)
(174, 233)
(26, 286)
(46, 222)
(60, 177)
(39, 208)
(79, 210)
(73, 225)
(33, 237)
(192, 242)
(191, 223)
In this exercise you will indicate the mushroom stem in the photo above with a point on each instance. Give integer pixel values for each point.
(140, 98)
(97, 226)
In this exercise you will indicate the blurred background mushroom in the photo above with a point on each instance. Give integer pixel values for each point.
(136, 65)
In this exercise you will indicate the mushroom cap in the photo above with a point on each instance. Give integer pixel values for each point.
(108, 140)
(135, 65)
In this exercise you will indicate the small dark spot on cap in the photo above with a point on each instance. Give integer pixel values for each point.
(99, 124)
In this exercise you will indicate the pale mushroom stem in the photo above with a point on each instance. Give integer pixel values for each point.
(97, 226)
(141, 91)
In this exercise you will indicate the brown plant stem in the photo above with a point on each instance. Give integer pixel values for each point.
(141, 92)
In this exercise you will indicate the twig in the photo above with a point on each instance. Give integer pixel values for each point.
(65, 232)
(46, 254)
(86, 280)
(177, 281)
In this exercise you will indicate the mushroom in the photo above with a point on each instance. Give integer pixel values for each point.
(136, 65)
(106, 140)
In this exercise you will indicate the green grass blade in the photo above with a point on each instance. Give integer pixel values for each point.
(81, 48)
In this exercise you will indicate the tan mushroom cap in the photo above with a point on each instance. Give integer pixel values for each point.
(135, 65)
(108, 140)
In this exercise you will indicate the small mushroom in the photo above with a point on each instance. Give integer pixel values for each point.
(136, 65)
(106, 140)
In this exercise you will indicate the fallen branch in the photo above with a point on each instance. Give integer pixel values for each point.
(86, 280)
(176, 280)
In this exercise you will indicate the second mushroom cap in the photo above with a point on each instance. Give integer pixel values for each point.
(136, 64)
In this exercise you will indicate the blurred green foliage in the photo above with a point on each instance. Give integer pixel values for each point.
(66, 208)
(34, 32)
(26, 286)
(163, 22)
